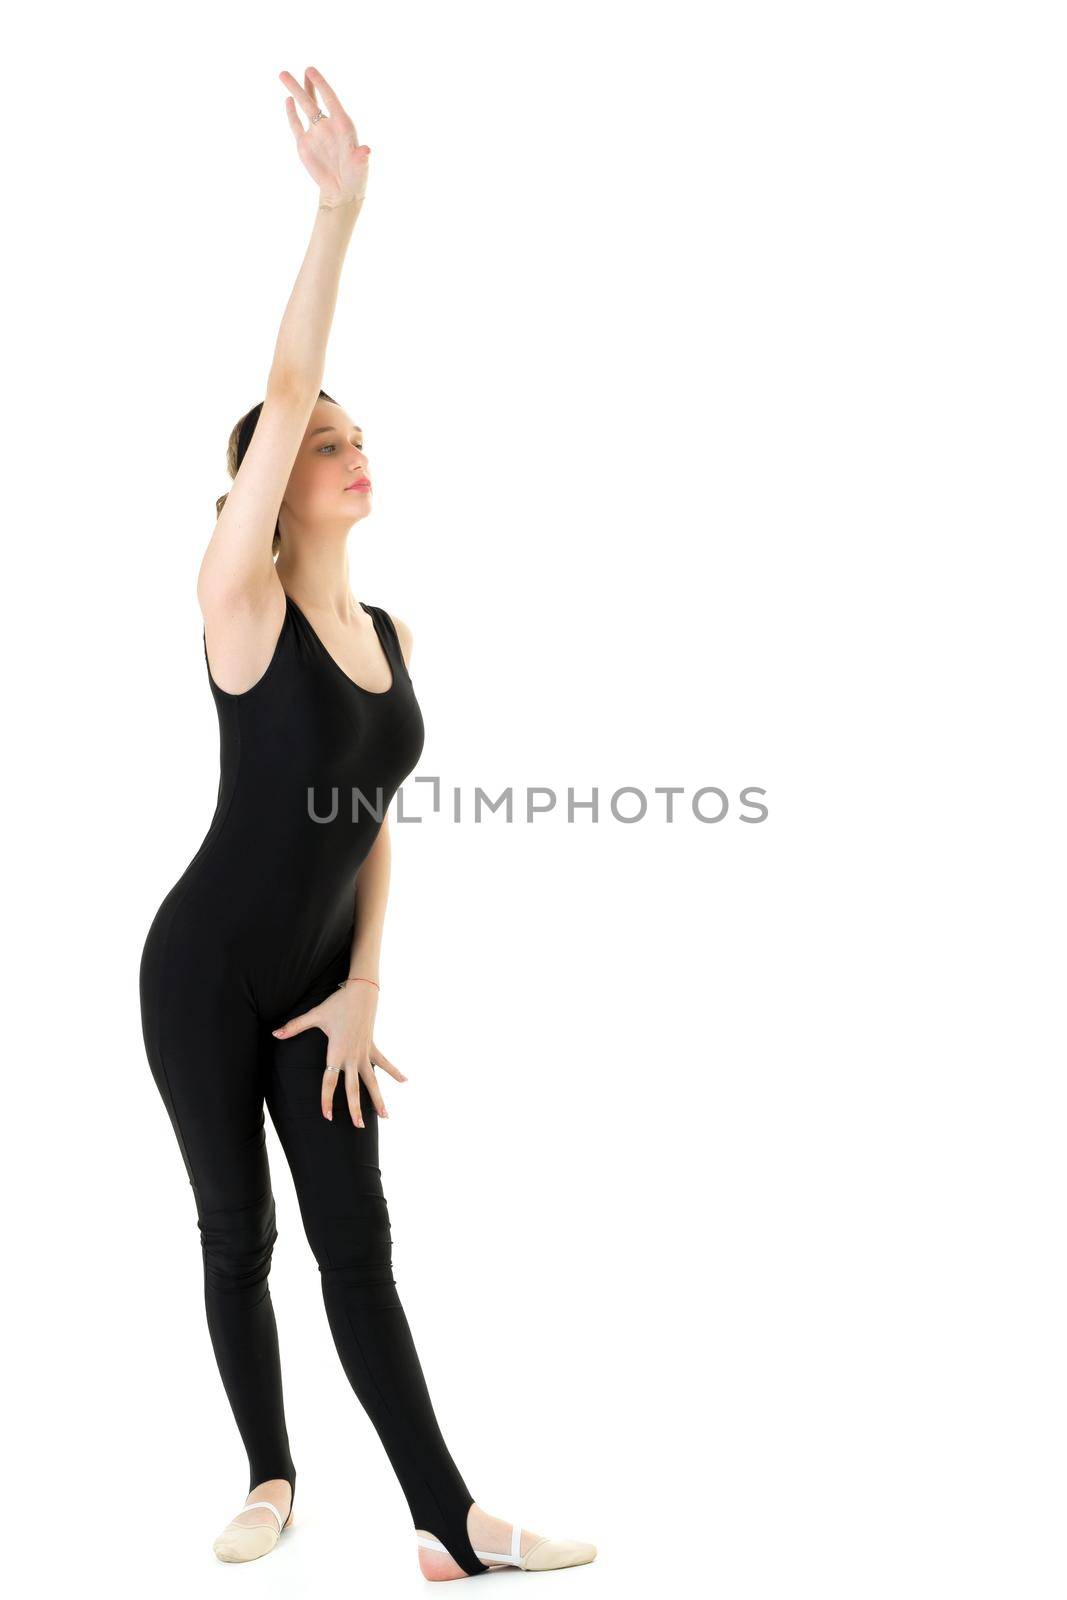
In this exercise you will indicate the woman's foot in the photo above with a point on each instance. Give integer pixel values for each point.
(254, 1532)
(492, 1536)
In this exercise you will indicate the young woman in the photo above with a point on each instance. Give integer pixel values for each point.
(259, 975)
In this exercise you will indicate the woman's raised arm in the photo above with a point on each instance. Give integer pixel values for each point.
(241, 598)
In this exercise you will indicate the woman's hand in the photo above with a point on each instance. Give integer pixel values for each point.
(346, 1017)
(329, 148)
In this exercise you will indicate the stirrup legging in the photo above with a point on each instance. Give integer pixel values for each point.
(214, 1095)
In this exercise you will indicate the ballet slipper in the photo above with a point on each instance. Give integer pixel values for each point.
(545, 1556)
(548, 1554)
(240, 1542)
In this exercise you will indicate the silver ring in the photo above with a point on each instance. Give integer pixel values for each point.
(335, 1069)
(317, 115)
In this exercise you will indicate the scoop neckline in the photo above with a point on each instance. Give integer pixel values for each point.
(375, 694)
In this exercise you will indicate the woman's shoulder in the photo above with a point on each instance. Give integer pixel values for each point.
(403, 633)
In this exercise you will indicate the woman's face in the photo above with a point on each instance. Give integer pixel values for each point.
(329, 486)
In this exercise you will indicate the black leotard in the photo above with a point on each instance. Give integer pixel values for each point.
(258, 929)
(268, 898)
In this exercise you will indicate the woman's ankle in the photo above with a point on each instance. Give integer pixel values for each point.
(491, 1535)
(278, 1491)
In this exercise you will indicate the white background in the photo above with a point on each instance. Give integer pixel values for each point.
(711, 366)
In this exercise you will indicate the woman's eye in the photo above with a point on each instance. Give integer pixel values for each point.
(323, 447)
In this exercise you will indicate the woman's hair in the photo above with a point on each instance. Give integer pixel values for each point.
(240, 439)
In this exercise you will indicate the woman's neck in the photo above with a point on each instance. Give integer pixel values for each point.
(318, 582)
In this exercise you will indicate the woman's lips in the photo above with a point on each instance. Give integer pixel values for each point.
(361, 483)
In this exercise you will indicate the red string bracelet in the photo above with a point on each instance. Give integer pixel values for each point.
(360, 980)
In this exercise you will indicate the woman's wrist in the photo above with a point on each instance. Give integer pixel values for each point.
(348, 208)
(358, 977)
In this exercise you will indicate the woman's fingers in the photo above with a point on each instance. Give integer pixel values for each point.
(309, 88)
(351, 1077)
(305, 100)
(352, 1088)
(380, 1061)
(329, 1089)
(294, 121)
(329, 1084)
(367, 1074)
(309, 1019)
(330, 100)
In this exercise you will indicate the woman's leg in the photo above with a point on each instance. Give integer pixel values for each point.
(339, 1187)
(203, 1051)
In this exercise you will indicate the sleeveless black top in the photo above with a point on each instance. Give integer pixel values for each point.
(309, 761)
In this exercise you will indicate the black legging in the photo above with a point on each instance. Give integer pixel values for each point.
(257, 930)
(214, 1094)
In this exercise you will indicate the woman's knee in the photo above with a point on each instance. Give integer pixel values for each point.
(354, 1247)
(238, 1243)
